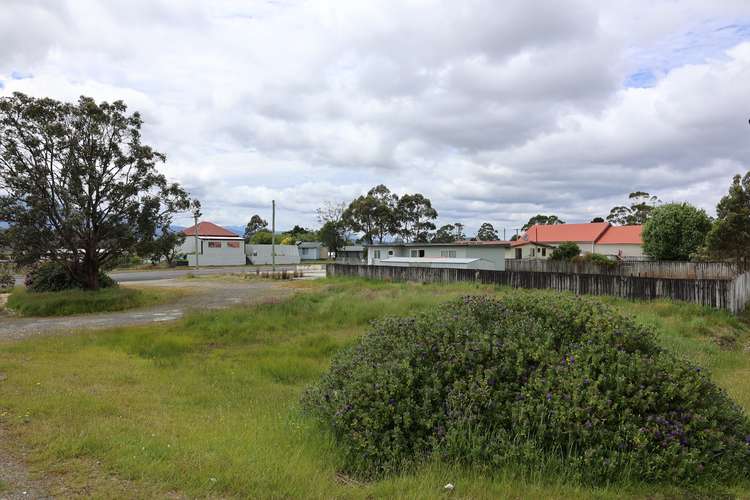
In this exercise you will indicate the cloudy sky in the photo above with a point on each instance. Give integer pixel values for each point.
(494, 110)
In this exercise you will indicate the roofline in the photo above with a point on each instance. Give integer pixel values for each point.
(504, 244)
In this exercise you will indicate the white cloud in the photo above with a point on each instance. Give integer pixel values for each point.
(495, 110)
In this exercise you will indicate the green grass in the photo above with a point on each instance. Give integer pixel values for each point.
(208, 406)
(72, 302)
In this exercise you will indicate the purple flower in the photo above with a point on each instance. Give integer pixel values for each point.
(585, 381)
(492, 382)
(549, 396)
(391, 401)
(588, 424)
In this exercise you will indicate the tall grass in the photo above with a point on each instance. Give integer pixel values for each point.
(207, 406)
(70, 302)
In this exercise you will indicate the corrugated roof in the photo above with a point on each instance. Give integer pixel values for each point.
(461, 243)
(558, 233)
(431, 260)
(209, 229)
(310, 244)
(622, 235)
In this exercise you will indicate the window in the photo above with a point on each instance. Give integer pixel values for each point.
(214, 244)
(531, 252)
(390, 252)
(519, 253)
(417, 253)
(376, 254)
(233, 244)
(544, 252)
(448, 253)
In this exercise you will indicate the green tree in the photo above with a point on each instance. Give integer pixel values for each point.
(598, 219)
(373, 214)
(331, 236)
(566, 251)
(486, 232)
(445, 234)
(413, 217)
(262, 237)
(77, 184)
(331, 217)
(257, 223)
(730, 235)
(641, 206)
(542, 220)
(675, 231)
(164, 246)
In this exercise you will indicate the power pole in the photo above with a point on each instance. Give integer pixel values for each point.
(196, 214)
(273, 236)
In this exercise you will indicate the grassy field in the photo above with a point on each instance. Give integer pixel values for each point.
(208, 406)
(72, 302)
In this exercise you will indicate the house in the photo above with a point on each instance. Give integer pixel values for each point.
(456, 255)
(261, 254)
(312, 250)
(351, 254)
(539, 241)
(216, 246)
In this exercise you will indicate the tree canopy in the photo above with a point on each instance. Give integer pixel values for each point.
(675, 231)
(641, 206)
(486, 232)
(77, 184)
(730, 234)
(566, 251)
(542, 220)
(445, 234)
(256, 223)
(413, 217)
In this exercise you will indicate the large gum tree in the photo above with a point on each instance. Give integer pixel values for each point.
(77, 186)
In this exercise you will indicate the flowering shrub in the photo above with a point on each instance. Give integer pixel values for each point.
(532, 380)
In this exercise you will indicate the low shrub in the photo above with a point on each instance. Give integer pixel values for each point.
(54, 277)
(69, 302)
(566, 251)
(596, 258)
(534, 381)
(7, 281)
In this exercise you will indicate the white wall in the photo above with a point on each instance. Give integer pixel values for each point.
(494, 255)
(223, 255)
(261, 254)
(627, 250)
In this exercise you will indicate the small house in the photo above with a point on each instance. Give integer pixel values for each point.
(216, 246)
(457, 255)
(540, 240)
(312, 250)
(351, 254)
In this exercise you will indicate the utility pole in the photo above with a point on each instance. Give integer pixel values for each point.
(504, 235)
(196, 206)
(273, 236)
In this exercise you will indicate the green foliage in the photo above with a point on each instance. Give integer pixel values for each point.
(263, 237)
(55, 277)
(566, 251)
(7, 281)
(542, 220)
(598, 219)
(445, 234)
(331, 235)
(413, 217)
(641, 206)
(486, 232)
(601, 260)
(675, 231)
(164, 246)
(256, 224)
(527, 381)
(730, 235)
(71, 302)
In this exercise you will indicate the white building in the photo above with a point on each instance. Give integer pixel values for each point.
(312, 250)
(261, 254)
(216, 246)
(539, 241)
(460, 254)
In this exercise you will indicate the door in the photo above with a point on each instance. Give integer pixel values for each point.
(519, 253)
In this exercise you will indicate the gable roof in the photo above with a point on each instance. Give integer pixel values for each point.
(209, 229)
(622, 235)
(558, 233)
(602, 233)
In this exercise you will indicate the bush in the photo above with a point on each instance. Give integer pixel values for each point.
(596, 258)
(7, 281)
(566, 251)
(533, 381)
(675, 231)
(54, 277)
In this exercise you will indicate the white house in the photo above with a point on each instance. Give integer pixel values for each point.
(216, 246)
(312, 250)
(460, 254)
(261, 254)
(539, 241)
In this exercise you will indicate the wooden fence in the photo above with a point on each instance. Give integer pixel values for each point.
(729, 294)
(643, 269)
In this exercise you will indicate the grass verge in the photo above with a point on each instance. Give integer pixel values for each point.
(208, 406)
(72, 302)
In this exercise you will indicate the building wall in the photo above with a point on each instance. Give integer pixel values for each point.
(261, 254)
(627, 250)
(494, 255)
(309, 253)
(214, 252)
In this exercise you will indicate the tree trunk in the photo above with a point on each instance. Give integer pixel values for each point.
(90, 273)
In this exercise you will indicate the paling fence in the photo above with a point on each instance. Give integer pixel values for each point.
(722, 293)
(643, 269)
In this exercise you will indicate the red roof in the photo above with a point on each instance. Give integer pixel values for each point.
(622, 235)
(209, 229)
(602, 233)
(558, 233)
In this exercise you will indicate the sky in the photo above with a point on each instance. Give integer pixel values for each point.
(496, 111)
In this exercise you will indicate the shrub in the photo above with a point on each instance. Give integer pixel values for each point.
(596, 258)
(533, 381)
(54, 277)
(7, 281)
(675, 231)
(566, 251)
